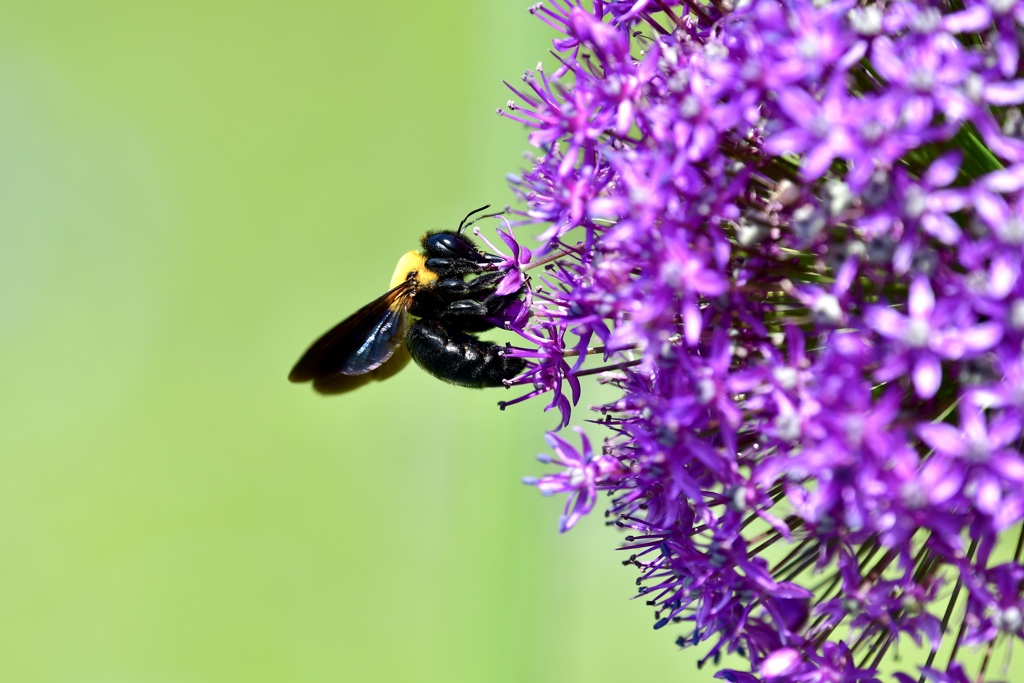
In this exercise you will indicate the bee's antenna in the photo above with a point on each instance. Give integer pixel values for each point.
(463, 223)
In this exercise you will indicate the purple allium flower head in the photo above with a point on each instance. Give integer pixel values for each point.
(788, 235)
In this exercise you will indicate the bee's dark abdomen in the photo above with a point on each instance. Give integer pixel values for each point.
(459, 358)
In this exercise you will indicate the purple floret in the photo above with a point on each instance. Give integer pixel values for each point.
(788, 237)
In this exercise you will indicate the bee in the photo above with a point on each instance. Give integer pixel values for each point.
(430, 313)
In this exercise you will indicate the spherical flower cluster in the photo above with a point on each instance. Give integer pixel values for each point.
(789, 235)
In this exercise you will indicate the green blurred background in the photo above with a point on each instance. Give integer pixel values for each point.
(190, 193)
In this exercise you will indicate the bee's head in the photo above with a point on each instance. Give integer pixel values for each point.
(456, 250)
(447, 244)
(449, 253)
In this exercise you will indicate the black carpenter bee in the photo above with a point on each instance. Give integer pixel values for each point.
(376, 341)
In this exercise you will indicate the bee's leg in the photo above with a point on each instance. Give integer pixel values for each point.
(460, 265)
(466, 308)
(453, 288)
(466, 315)
(457, 288)
(471, 315)
(485, 281)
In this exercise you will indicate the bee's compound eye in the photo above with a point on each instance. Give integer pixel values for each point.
(446, 244)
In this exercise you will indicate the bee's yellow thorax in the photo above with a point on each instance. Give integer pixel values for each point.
(412, 262)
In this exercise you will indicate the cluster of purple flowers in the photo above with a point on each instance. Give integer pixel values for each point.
(789, 235)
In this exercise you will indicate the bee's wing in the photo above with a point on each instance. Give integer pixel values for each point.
(360, 345)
